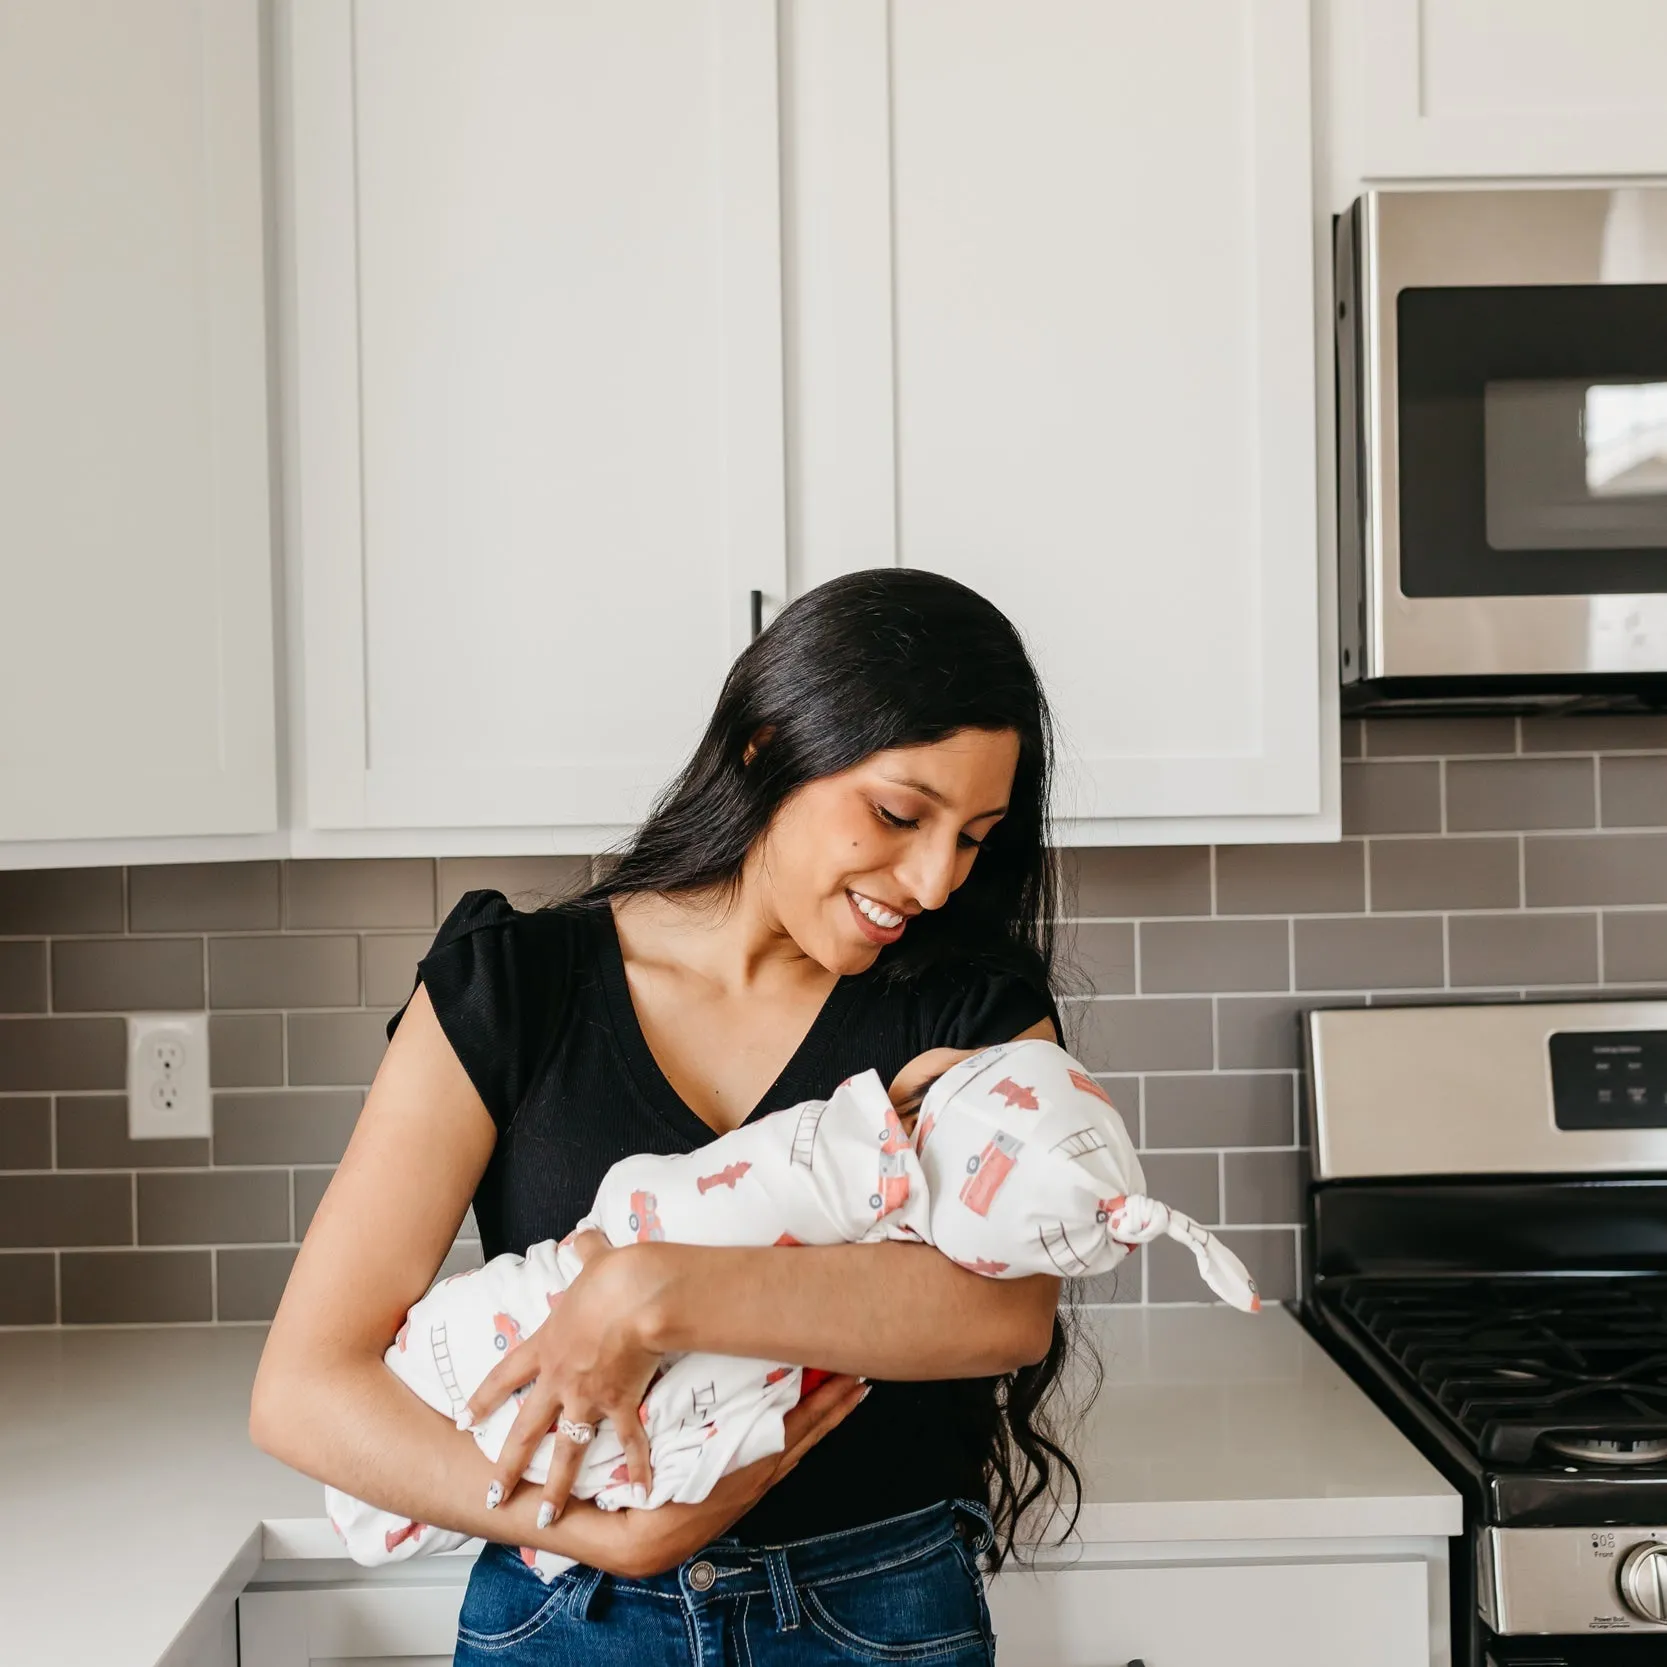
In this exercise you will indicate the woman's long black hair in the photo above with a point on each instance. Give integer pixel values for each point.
(893, 657)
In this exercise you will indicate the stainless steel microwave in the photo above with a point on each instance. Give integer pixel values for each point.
(1502, 385)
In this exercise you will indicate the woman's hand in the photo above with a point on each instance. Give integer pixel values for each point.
(645, 1543)
(586, 1362)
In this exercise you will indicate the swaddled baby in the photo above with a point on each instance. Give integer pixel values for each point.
(1018, 1164)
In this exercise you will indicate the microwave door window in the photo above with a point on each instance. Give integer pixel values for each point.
(1575, 464)
(1532, 440)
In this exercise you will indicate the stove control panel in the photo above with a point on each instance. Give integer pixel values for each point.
(1572, 1580)
(1609, 1079)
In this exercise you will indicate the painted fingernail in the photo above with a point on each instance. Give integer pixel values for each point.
(494, 1494)
(465, 1419)
(639, 1496)
(867, 1390)
(546, 1514)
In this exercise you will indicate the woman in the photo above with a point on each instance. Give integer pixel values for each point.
(851, 872)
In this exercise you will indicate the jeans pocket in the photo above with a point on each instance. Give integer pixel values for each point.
(929, 1608)
(506, 1603)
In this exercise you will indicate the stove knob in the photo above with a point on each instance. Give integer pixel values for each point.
(1643, 1581)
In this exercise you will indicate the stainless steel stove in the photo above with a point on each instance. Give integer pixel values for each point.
(1487, 1256)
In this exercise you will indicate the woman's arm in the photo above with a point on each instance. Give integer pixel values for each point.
(894, 1311)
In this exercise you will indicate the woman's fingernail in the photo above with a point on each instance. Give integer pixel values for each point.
(465, 1419)
(494, 1494)
(867, 1390)
(546, 1514)
(862, 1380)
(639, 1496)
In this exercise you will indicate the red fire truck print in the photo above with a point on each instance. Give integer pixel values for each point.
(645, 1221)
(621, 1472)
(988, 1170)
(551, 1298)
(788, 1239)
(529, 1556)
(776, 1375)
(892, 1190)
(401, 1335)
(1015, 1094)
(923, 1128)
(1088, 1085)
(983, 1265)
(398, 1536)
(505, 1333)
(726, 1177)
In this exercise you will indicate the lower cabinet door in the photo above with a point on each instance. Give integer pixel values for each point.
(1248, 1614)
(394, 1625)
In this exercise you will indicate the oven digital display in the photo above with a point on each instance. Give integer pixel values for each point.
(1609, 1079)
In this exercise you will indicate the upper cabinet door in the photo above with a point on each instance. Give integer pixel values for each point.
(536, 321)
(1501, 87)
(1055, 317)
(136, 693)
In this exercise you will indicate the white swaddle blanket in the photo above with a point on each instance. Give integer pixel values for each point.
(1019, 1164)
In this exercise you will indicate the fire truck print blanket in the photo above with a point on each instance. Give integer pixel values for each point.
(1018, 1164)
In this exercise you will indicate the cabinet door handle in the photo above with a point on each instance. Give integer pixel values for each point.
(757, 602)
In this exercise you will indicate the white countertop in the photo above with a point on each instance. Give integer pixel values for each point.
(133, 1508)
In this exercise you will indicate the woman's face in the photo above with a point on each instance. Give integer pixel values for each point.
(850, 859)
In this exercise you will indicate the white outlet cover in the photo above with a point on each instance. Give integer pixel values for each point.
(167, 1076)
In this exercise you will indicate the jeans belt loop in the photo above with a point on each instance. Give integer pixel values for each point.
(782, 1594)
(980, 1513)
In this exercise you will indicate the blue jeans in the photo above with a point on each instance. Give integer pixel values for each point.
(904, 1590)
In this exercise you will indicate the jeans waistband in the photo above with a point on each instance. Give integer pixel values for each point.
(865, 1549)
(727, 1568)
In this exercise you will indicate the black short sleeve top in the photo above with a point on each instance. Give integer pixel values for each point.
(537, 1009)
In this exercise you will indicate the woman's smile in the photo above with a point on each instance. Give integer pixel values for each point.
(874, 920)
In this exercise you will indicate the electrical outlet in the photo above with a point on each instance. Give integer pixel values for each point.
(167, 1076)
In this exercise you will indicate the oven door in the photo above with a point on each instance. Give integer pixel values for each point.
(1506, 434)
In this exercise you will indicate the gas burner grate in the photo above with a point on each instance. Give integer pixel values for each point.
(1562, 1369)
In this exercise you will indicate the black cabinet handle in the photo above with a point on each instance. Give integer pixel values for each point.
(757, 612)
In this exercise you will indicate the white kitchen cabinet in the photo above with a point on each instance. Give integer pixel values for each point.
(532, 268)
(1320, 1614)
(136, 673)
(1531, 88)
(1052, 328)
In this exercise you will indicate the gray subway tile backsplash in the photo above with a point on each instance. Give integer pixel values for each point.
(1426, 874)
(1564, 871)
(1394, 798)
(1633, 791)
(1545, 950)
(1178, 956)
(25, 1131)
(48, 1053)
(1290, 879)
(22, 975)
(1635, 946)
(136, 1287)
(205, 897)
(285, 1125)
(380, 891)
(92, 1134)
(60, 901)
(208, 1206)
(1482, 859)
(28, 1288)
(1494, 794)
(115, 975)
(294, 970)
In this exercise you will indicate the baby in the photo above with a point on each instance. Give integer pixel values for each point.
(1018, 1164)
